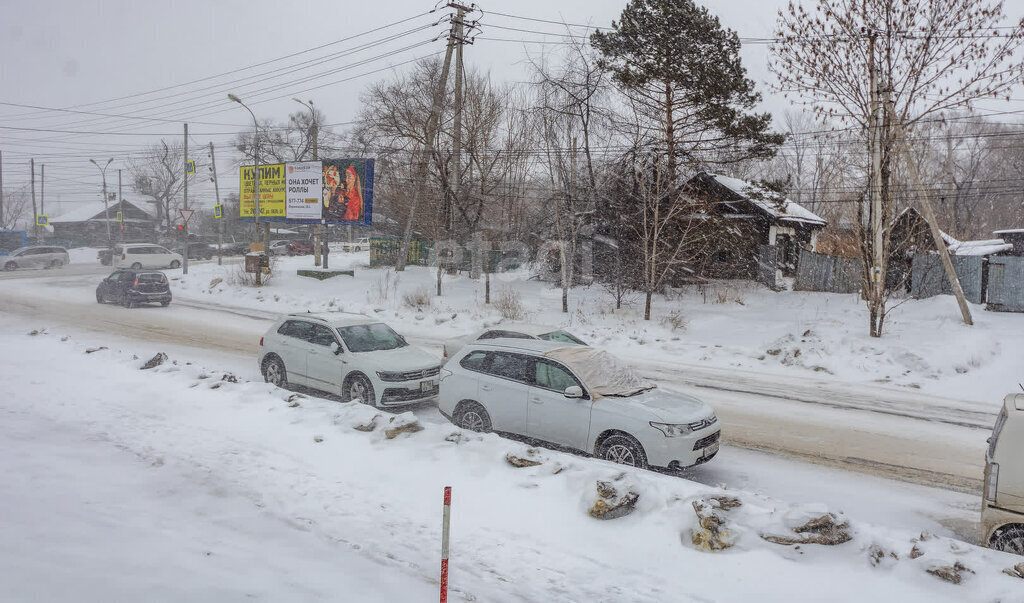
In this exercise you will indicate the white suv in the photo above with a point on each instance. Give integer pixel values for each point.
(575, 397)
(145, 255)
(358, 245)
(350, 355)
(37, 256)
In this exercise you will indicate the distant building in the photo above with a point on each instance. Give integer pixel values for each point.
(87, 224)
(1014, 237)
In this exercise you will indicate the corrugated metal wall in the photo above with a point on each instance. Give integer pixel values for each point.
(819, 272)
(927, 277)
(1006, 284)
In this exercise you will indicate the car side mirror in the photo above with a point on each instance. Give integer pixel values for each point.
(574, 391)
(335, 348)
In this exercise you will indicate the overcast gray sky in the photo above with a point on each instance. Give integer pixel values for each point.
(81, 55)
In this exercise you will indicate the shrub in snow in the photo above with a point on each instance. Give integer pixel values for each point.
(827, 530)
(368, 427)
(950, 573)
(402, 425)
(1016, 571)
(712, 535)
(155, 361)
(509, 303)
(520, 462)
(417, 299)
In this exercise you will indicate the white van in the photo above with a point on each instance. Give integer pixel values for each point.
(145, 255)
(1002, 505)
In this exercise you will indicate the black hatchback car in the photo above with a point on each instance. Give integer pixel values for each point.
(132, 287)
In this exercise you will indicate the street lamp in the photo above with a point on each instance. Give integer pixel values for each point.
(317, 255)
(256, 183)
(106, 210)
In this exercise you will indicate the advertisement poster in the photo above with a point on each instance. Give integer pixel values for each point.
(304, 190)
(348, 191)
(272, 191)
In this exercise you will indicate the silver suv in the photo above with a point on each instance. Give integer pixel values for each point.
(351, 355)
(36, 256)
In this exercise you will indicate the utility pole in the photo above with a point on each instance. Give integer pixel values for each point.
(184, 230)
(106, 209)
(315, 132)
(1, 189)
(35, 221)
(42, 190)
(120, 206)
(877, 260)
(216, 192)
(457, 134)
(933, 226)
(427, 150)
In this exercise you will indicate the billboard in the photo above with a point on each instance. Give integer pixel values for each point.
(332, 191)
(272, 191)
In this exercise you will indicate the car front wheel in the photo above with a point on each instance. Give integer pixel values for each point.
(99, 297)
(174, 264)
(1010, 540)
(623, 449)
(10, 266)
(359, 388)
(274, 372)
(472, 416)
(136, 266)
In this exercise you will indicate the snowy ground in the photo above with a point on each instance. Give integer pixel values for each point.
(172, 484)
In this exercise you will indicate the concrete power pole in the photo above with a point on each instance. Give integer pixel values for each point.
(42, 190)
(35, 222)
(120, 206)
(422, 165)
(1, 189)
(877, 283)
(216, 192)
(184, 230)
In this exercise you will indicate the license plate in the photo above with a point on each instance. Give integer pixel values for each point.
(710, 450)
(426, 386)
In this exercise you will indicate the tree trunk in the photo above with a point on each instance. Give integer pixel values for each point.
(647, 306)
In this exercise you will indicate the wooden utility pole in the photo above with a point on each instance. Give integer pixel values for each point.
(1, 189)
(877, 284)
(120, 206)
(184, 230)
(35, 221)
(933, 226)
(427, 151)
(42, 190)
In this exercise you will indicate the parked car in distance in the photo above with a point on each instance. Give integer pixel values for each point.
(1002, 505)
(300, 247)
(36, 256)
(145, 255)
(132, 287)
(351, 355)
(359, 244)
(236, 248)
(198, 251)
(279, 247)
(512, 330)
(575, 397)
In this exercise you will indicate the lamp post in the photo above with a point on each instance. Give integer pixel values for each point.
(106, 210)
(256, 185)
(316, 136)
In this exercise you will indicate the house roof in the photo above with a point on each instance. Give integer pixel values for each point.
(958, 247)
(94, 210)
(1009, 231)
(770, 202)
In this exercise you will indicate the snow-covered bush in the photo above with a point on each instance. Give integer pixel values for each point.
(510, 304)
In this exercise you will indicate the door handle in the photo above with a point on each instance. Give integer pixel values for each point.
(536, 400)
(486, 388)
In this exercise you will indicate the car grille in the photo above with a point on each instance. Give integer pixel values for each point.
(400, 394)
(409, 375)
(707, 441)
(697, 426)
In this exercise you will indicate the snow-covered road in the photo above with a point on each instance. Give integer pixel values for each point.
(873, 429)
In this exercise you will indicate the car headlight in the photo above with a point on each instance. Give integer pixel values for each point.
(672, 430)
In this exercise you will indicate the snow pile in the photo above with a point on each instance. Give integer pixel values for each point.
(181, 481)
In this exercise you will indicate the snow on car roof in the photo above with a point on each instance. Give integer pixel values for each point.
(337, 319)
(601, 372)
(523, 327)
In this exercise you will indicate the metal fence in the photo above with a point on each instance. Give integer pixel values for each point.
(1006, 284)
(928, 278)
(826, 273)
(767, 265)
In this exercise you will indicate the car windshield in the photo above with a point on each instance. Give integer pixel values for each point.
(371, 338)
(602, 373)
(561, 336)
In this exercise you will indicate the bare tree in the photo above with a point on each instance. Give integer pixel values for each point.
(159, 175)
(17, 206)
(927, 57)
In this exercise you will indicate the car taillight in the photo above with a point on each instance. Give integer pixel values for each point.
(992, 483)
(261, 342)
(445, 355)
(136, 283)
(124, 257)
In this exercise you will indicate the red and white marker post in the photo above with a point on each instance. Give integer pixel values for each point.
(444, 542)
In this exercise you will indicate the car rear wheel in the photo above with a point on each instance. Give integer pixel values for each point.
(359, 388)
(274, 372)
(56, 264)
(10, 266)
(127, 301)
(472, 416)
(174, 264)
(623, 449)
(136, 266)
(1010, 540)
(165, 303)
